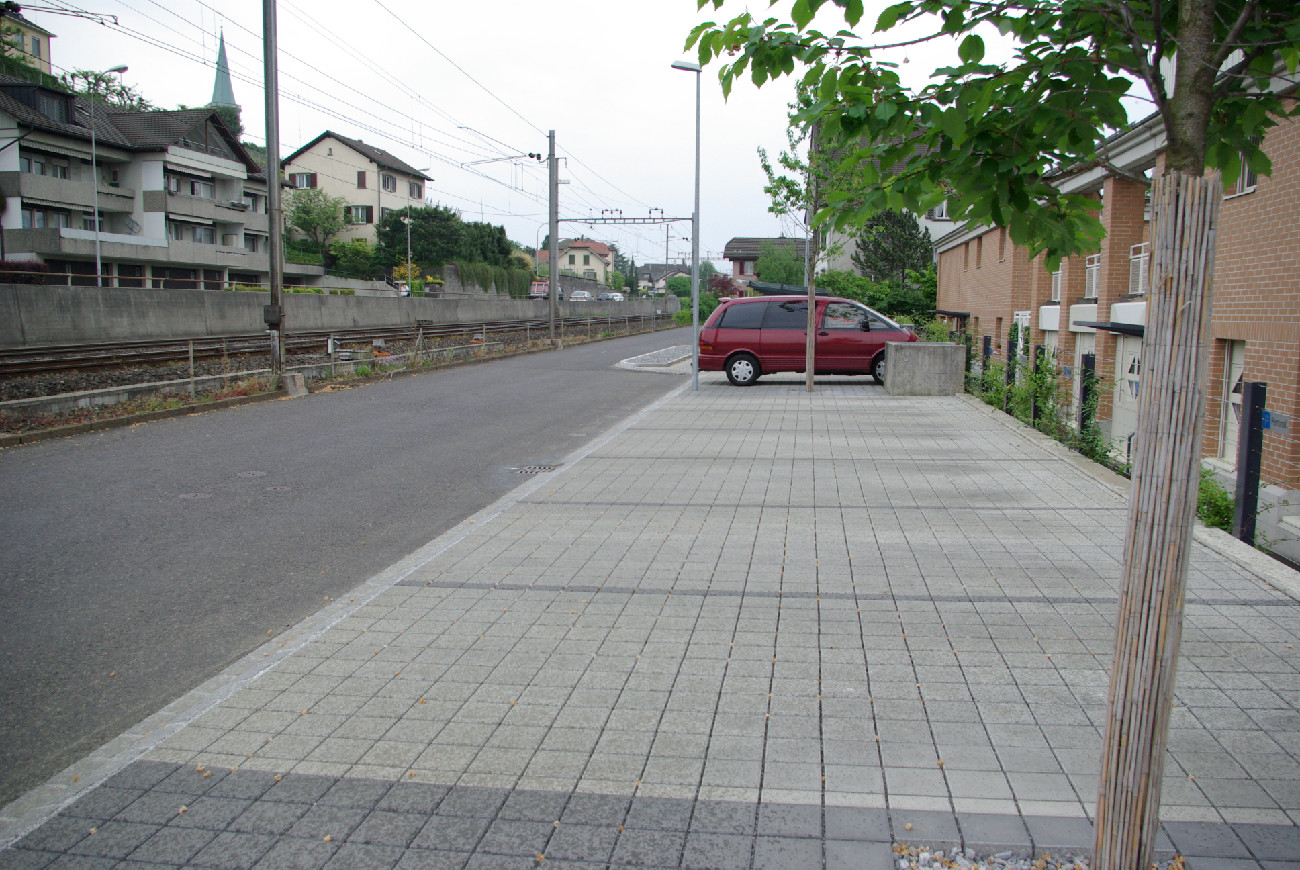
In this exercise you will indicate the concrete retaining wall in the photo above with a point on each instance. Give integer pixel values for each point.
(920, 368)
(41, 315)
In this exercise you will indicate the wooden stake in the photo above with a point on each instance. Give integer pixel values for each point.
(1162, 511)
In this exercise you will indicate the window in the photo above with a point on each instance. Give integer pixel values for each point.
(1139, 277)
(39, 164)
(36, 218)
(205, 235)
(786, 315)
(251, 243)
(1249, 178)
(417, 190)
(129, 275)
(1091, 276)
(183, 186)
(841, 315)
(979, 251)
(88, 222)
(362, 214)
(36, 47)
(390, 183)
(965, 256)
(175, 231)
(1056, 286)
(303, 179)
(572, 259)
(586, 259)
(53, 106)
(203, 189)
(939, 212)
(361, 179)
(589, 274)
(1002, 244)
(384, 212)
(251, 200)
(749, 316)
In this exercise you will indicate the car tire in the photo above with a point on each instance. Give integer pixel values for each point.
(878, 368)
(743, 370)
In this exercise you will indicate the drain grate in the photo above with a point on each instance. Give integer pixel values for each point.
(536, 469)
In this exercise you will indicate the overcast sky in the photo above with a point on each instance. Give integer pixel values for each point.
(449, 83)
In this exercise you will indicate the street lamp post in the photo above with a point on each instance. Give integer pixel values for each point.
(695, 234)
(94, 172)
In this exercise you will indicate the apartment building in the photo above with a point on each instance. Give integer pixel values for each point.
(1096, 304)
(180, 202)
(371, 181)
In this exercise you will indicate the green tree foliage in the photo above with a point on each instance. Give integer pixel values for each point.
(437, 234)
(353, 259)
(911, 300)
(615, 279)
(485, 243)
(779, 263)
(232, 118)
(891, 244)
(707, 271)
(984, 136)
(316, 215)
(620, 261)
(680, 285)
(105, 87)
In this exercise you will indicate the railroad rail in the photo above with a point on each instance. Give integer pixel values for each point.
(17, 362)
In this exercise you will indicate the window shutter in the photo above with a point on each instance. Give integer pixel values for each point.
(361, 179)
(370, 214)
(311, 179)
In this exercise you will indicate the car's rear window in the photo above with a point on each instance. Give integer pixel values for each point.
(746, 316)
(786, 315)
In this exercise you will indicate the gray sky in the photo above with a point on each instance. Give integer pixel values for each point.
(450, 83)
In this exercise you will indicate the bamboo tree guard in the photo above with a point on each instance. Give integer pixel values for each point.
(1162, 509)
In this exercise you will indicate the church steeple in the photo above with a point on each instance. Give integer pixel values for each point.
(222, 92)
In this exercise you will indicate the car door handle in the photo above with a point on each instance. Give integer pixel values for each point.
(822, 332)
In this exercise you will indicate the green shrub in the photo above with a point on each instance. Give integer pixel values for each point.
(1214, 506)
(936, 330)
(362, 371)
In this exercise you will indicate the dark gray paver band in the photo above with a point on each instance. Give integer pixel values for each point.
(156, 814)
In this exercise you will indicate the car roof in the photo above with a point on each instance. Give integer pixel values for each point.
(787, 298)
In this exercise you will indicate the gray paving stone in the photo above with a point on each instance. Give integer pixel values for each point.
(269, 817)
(1271, 842)
(717, 852)
(786, 853)
(784, 820)
(586, 843)
(856, 855)
(115, 839)
(232, 850)
(296, 854)
(362, 856)
(172, 846)
(641, 847)
(989, 833)
(451, 833)
(383, 828)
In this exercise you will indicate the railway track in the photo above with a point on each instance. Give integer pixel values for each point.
(19, 362)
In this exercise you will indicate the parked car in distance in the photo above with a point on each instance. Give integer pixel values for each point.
(610, 297)
(747, 338)
(580, 296)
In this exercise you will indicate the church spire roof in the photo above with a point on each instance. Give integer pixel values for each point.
(223, 94)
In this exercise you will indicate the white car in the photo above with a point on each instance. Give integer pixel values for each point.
(580, 296)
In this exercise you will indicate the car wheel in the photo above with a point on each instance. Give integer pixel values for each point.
(742, 370)
(878, 369)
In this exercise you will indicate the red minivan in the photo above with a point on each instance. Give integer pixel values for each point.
(750, 337)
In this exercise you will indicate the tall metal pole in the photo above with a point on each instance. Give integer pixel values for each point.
(554, 171)
(274, 315)
(94, 184)
(695, 249)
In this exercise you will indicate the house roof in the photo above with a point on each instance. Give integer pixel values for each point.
(600, 249)
(378, 156)
(750, 248)
(128, 130)
(14, 16)
(656, 272)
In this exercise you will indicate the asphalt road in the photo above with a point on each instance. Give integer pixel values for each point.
(138, 562)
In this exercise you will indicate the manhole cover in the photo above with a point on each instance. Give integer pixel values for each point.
(536, 469)
(196, 495)
(251, 474)
(277, 489)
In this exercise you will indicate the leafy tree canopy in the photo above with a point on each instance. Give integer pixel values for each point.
(437, 234)
(779, 263)
(985, 136)
(680, 285)
(105, 87)
(615, 279)
(315, 214)
(891, 244)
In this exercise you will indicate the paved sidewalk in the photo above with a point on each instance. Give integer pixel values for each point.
(748, 628)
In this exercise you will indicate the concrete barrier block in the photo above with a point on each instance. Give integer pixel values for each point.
(915, 368)
(295, 385)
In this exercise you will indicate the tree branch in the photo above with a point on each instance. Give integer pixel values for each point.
(1149, 74)
(1227, 46)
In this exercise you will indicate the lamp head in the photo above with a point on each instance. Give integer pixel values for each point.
(687, 65)
(117, 69)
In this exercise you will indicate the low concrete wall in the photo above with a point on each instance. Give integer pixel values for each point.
(32, 315)
(916, 368)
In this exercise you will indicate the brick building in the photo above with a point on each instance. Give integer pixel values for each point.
(1096, 304)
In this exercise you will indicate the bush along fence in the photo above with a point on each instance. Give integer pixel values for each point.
(1031, 386)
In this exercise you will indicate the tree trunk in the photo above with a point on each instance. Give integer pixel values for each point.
(1162, 510)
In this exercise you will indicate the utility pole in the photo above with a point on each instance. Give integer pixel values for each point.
(274, 313)
(553, 168)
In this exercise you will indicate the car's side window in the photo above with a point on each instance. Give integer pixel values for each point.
(786, 315)
(842, 315)
(746, 316)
